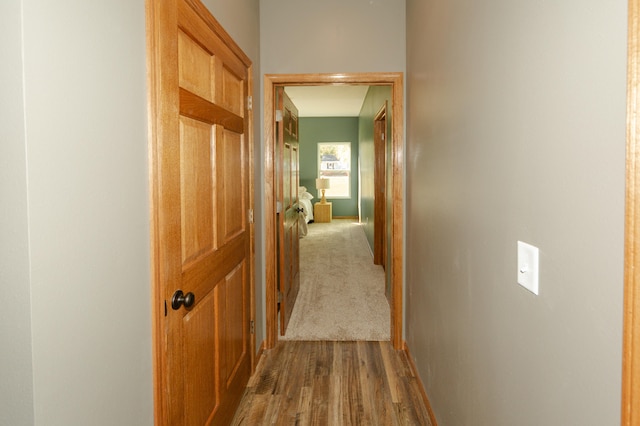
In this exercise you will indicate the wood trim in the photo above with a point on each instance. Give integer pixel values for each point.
(249, 133)
(380, 185)
(346, 217)
(159, 406)
(270, 222)
(367, 79)
(425, 398)
(631, 334)
(393, 79)
(397, 214)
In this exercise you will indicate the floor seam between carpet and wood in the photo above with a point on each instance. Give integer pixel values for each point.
(341, 291)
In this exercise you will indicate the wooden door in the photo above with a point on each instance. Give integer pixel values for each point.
(288, 182)
(203, 238)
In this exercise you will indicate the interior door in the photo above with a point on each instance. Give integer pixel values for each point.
(288, 182)
(201, 180)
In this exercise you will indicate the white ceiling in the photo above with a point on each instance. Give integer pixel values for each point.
(327, 101)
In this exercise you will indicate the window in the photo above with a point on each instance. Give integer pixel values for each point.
(334, 163)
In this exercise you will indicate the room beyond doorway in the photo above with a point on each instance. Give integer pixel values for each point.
(342, 292)
(395, 81)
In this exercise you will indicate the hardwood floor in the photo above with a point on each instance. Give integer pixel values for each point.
(332, 383)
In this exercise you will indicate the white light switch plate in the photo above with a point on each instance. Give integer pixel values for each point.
(528, 262)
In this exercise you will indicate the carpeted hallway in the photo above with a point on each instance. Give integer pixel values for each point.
(341, 290)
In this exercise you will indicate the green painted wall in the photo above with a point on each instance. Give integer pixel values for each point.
(328, 129)
(375, 99)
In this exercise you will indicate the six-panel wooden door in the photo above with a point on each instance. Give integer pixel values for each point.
(201, 180)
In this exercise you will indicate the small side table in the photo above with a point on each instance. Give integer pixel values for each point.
(322, 212)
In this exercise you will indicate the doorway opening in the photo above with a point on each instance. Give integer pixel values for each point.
(395, 218)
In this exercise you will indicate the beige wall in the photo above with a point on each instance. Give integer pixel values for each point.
(516, 131)
(74, 234)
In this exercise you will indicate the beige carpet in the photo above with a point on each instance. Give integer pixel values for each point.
(341, 291)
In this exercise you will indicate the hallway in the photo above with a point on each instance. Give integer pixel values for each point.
(341, 291)
(333, 383)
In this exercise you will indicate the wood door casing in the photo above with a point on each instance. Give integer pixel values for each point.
(380, 188)
(630, 404)
(288, 182)
(201, 177)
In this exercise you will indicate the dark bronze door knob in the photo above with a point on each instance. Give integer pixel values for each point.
(179, 299)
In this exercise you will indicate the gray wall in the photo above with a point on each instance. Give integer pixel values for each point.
(16, 374)
(74, 234)
(332, 36)
(516, 131)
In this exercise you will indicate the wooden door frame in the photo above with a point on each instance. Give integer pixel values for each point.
(631, 333)
(395, 81)
(380, 181)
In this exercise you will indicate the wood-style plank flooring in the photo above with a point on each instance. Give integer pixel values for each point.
(332, 383)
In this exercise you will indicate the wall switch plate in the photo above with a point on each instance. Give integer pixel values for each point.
(528, 262)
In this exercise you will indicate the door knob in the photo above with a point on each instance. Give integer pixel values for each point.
(179, 299)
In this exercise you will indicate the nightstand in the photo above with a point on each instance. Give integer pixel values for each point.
(322, 212)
